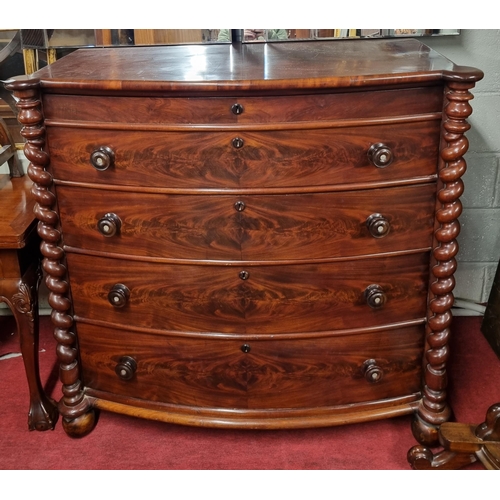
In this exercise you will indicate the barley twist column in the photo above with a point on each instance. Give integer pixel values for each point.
(78, 417)
(434, 410)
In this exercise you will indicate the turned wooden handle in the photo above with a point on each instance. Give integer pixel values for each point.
(119, 295)
(380, 155)
(109, 225)
(375, 296)
(372, 372)
(102, 158)
(378, 225)
(126, 367)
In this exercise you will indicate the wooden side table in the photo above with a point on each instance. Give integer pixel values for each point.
(20, 275)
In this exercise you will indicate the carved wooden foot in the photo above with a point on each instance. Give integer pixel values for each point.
(463, 444)
(80, 426)
(422, 458)
(23, 301)
(43, 413)
(424, 432)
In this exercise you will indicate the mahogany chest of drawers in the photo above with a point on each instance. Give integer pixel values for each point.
(253, 236)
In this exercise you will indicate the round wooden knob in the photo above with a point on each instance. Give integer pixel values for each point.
(378, 225)
(238, 142)
(375, 296)
(119, 295)
(126, 367)
(102, 158)
(109, 225)
(237, 109)
(372, 372)
(380, 155)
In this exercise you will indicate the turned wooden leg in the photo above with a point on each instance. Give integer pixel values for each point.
(43, 411)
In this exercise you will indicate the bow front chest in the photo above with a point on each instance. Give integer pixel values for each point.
(253, 236)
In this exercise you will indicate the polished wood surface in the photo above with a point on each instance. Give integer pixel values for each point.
(294, 374)
(248, 227)
(272, 299)
(216, 111)
(255, 236)
(252, 67)
(197, 160)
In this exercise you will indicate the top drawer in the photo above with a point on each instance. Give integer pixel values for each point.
(244, 110)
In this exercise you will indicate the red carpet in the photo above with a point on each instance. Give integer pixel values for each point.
(120, 442)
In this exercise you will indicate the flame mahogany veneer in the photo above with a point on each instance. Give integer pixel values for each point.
(255, 236)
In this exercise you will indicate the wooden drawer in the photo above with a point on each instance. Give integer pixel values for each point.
(267, 299)
(291, 373)
(283, 159)
(219, 110)
(248, 227)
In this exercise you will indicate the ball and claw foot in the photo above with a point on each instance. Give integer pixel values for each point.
(43, 414)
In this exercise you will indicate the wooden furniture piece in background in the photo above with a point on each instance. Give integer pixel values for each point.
(463, 444)
(10, 49)
(19, 279)
(163, 37)
(8, 152)
(254, 237)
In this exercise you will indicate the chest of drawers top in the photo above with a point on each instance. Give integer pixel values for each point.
(254, 68)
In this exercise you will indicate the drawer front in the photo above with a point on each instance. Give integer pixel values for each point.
(248, 227)
(263, 159)
(221, 110)
(263, 374)
(259, 299)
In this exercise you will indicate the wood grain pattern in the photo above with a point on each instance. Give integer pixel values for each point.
(268, 159)
(313, 226)
(274, 374)
(274, 299)
(217, 110)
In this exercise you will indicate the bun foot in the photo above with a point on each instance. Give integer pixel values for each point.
(80, 426)
(425, 433)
